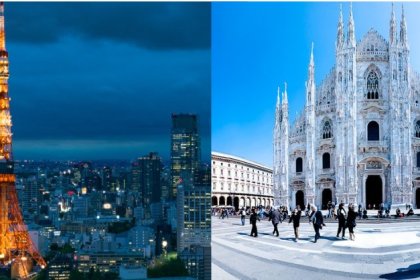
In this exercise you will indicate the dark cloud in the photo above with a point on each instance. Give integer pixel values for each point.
(148, 25)
(74, 97)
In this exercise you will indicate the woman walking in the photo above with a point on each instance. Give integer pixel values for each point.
(296, 221)
(341, 216)
(351, 221)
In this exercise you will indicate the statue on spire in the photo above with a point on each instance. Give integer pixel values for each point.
(393, 28)
(351, 40)
(340, 30)
(403, 29)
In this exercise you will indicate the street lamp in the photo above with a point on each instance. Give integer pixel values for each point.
(164, 245)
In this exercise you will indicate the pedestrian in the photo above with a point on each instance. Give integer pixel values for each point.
(341, 216)
(243, 216)
(253, 221)
(329, 208)
(317, 220)
(275, 220)
(351, 221)
(359, 211)
(295, 217)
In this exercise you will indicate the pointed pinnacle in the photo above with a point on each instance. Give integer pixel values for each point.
(312, 54)
(285, 93)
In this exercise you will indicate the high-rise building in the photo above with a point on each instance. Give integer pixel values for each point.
(146, 178)
(194, 216)
(107, 178)
(185, 149)
(194, 228)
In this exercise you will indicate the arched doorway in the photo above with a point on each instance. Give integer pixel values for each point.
(222, 200)
(300, 200)
(326, 197)
(418, 198)
(242, 202)
(229, 201)
(373, 191)
(214, 201)
(236, 203)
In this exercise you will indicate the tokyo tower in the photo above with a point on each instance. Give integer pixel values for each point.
(16, 247)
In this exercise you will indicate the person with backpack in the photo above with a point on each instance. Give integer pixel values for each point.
(243, 216)
(341, 217)
(253, 221)
(295, 217)
(317, 220)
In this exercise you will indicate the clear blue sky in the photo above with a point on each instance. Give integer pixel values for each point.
(258, 46)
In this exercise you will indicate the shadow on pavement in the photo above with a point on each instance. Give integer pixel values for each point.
(293, 239)
(411, 272)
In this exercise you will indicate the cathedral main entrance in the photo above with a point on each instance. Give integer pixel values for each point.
(326, 197)
(418, 198)
(373, 192)
(300, 200)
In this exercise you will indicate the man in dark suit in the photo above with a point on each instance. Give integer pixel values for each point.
(317, 220)
(253, 221)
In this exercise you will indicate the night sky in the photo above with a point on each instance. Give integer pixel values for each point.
(100, 80)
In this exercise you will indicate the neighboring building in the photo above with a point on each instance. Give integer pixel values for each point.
(239, 182)
(60, 267)
(358, 138)
(185, 148)
(194, 228)
(147, 178)
(194, 216)
(81, 207)
(142, 239)
(30, 196)
(107, 178)
(132, 273)
(198, 261)
(108, 261)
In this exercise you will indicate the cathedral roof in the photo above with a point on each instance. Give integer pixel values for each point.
(298, 127)
(373, 46)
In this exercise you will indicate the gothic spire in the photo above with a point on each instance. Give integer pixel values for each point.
(311, 66)
(350, 32)
(403, 28)
(310, 84)
(285, 94)
(2, 31)
(393, 28)
(340, 30)
(278, 108)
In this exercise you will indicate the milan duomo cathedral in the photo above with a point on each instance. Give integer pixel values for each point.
(358, 138)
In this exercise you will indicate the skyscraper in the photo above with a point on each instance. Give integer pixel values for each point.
(149, 168)
(185, 149)
(194, 229)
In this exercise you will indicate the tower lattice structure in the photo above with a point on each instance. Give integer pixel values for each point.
(16, 246)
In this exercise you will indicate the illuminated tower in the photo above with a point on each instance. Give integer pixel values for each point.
(185, 149)
(16, 247)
